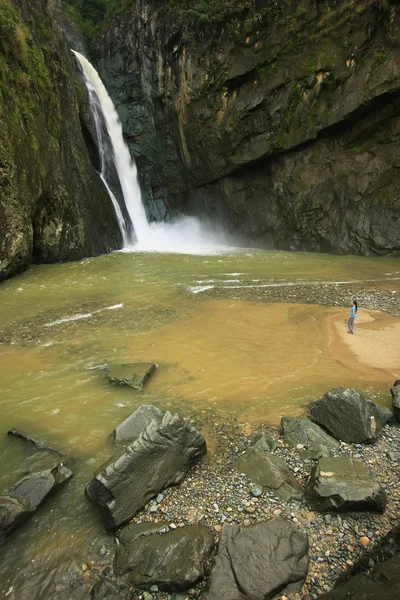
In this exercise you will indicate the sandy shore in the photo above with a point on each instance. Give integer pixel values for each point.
(375, 343)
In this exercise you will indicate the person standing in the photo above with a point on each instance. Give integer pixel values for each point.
(353, 314)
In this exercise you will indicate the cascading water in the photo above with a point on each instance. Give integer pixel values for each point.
(185, 235)
(124, 164)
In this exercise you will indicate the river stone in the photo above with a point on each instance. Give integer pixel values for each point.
(316, 442)
(133, 426)
(395, 392)
(262, 441)
(133, 374)
(174, 561)
(19, 502)
(159, 458)
(349, 416)
(259, 561)
(344, 483)
(271, 472)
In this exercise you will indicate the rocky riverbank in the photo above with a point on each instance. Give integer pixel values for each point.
(215, 493)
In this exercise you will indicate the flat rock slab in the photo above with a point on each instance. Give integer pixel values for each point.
(133, 426)
(173, 561)
(271, 472)
(258, 562)
(159, 458)
(134, 375)
(302, 431)
(20, 501)
(395, 393)
(344, 484)
(350, 417)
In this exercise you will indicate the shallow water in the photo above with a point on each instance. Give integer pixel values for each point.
(60, 324)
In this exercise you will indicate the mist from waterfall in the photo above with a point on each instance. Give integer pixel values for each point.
(184, 235)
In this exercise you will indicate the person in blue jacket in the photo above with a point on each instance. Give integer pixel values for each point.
(353, 314)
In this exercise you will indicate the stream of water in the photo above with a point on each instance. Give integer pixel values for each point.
(235, 358)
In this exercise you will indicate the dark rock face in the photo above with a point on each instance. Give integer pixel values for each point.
(258, 562)
(20, 501)
(273, 124)
(345, 484)
(133, 426)
(53, 205)
(271, 472)
(302, 431)
(395, 392)
(133, 374)
(174, 561)
(159, 458)
(349, 416)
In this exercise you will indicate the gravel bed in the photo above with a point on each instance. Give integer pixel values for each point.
(215, 493)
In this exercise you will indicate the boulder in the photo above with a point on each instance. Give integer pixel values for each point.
(271, 472)
(258, 562)
(133, 426)
(134, 375)
(40, 445)
(345, 484)
(350, 417)
(302, 431)
(174, 561)
(20, 501)
(159, 458)
(395, 392)
(262, 441)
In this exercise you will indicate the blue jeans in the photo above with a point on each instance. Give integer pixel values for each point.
(350, 324)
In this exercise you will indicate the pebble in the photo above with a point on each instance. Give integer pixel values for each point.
(256, 491)
(159, 498)
(365, 541)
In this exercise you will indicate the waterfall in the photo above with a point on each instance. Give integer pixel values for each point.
(185, 235)
(125, 165)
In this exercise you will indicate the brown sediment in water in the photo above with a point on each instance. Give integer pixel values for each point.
(373, 348)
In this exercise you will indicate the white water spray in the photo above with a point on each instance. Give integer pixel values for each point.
(185, 235)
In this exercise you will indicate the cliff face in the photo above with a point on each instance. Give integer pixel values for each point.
(283, 123)
(53, 206)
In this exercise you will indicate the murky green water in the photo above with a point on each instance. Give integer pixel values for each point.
(240, 358)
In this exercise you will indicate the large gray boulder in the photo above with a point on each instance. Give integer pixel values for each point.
(395, 392)
(271, 472)
(263, 442)
(302, 431)
(19, 502)
(258, 562)
(345, 484)
(159, 458)
(350, 417)
(134, 375)
(133, 426)
(174, 561)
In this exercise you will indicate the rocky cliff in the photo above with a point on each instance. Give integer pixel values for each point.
(281, 119)
(53, 206)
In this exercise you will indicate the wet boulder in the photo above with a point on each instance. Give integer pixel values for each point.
(395, 392)
(260, 561)
(159, 458)
(344, 484)
(350, 417)
(263, 442)
(270, 472)
(19, 502)
(299, 431)
(134, 375)
(174, 561)
(133, 426)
